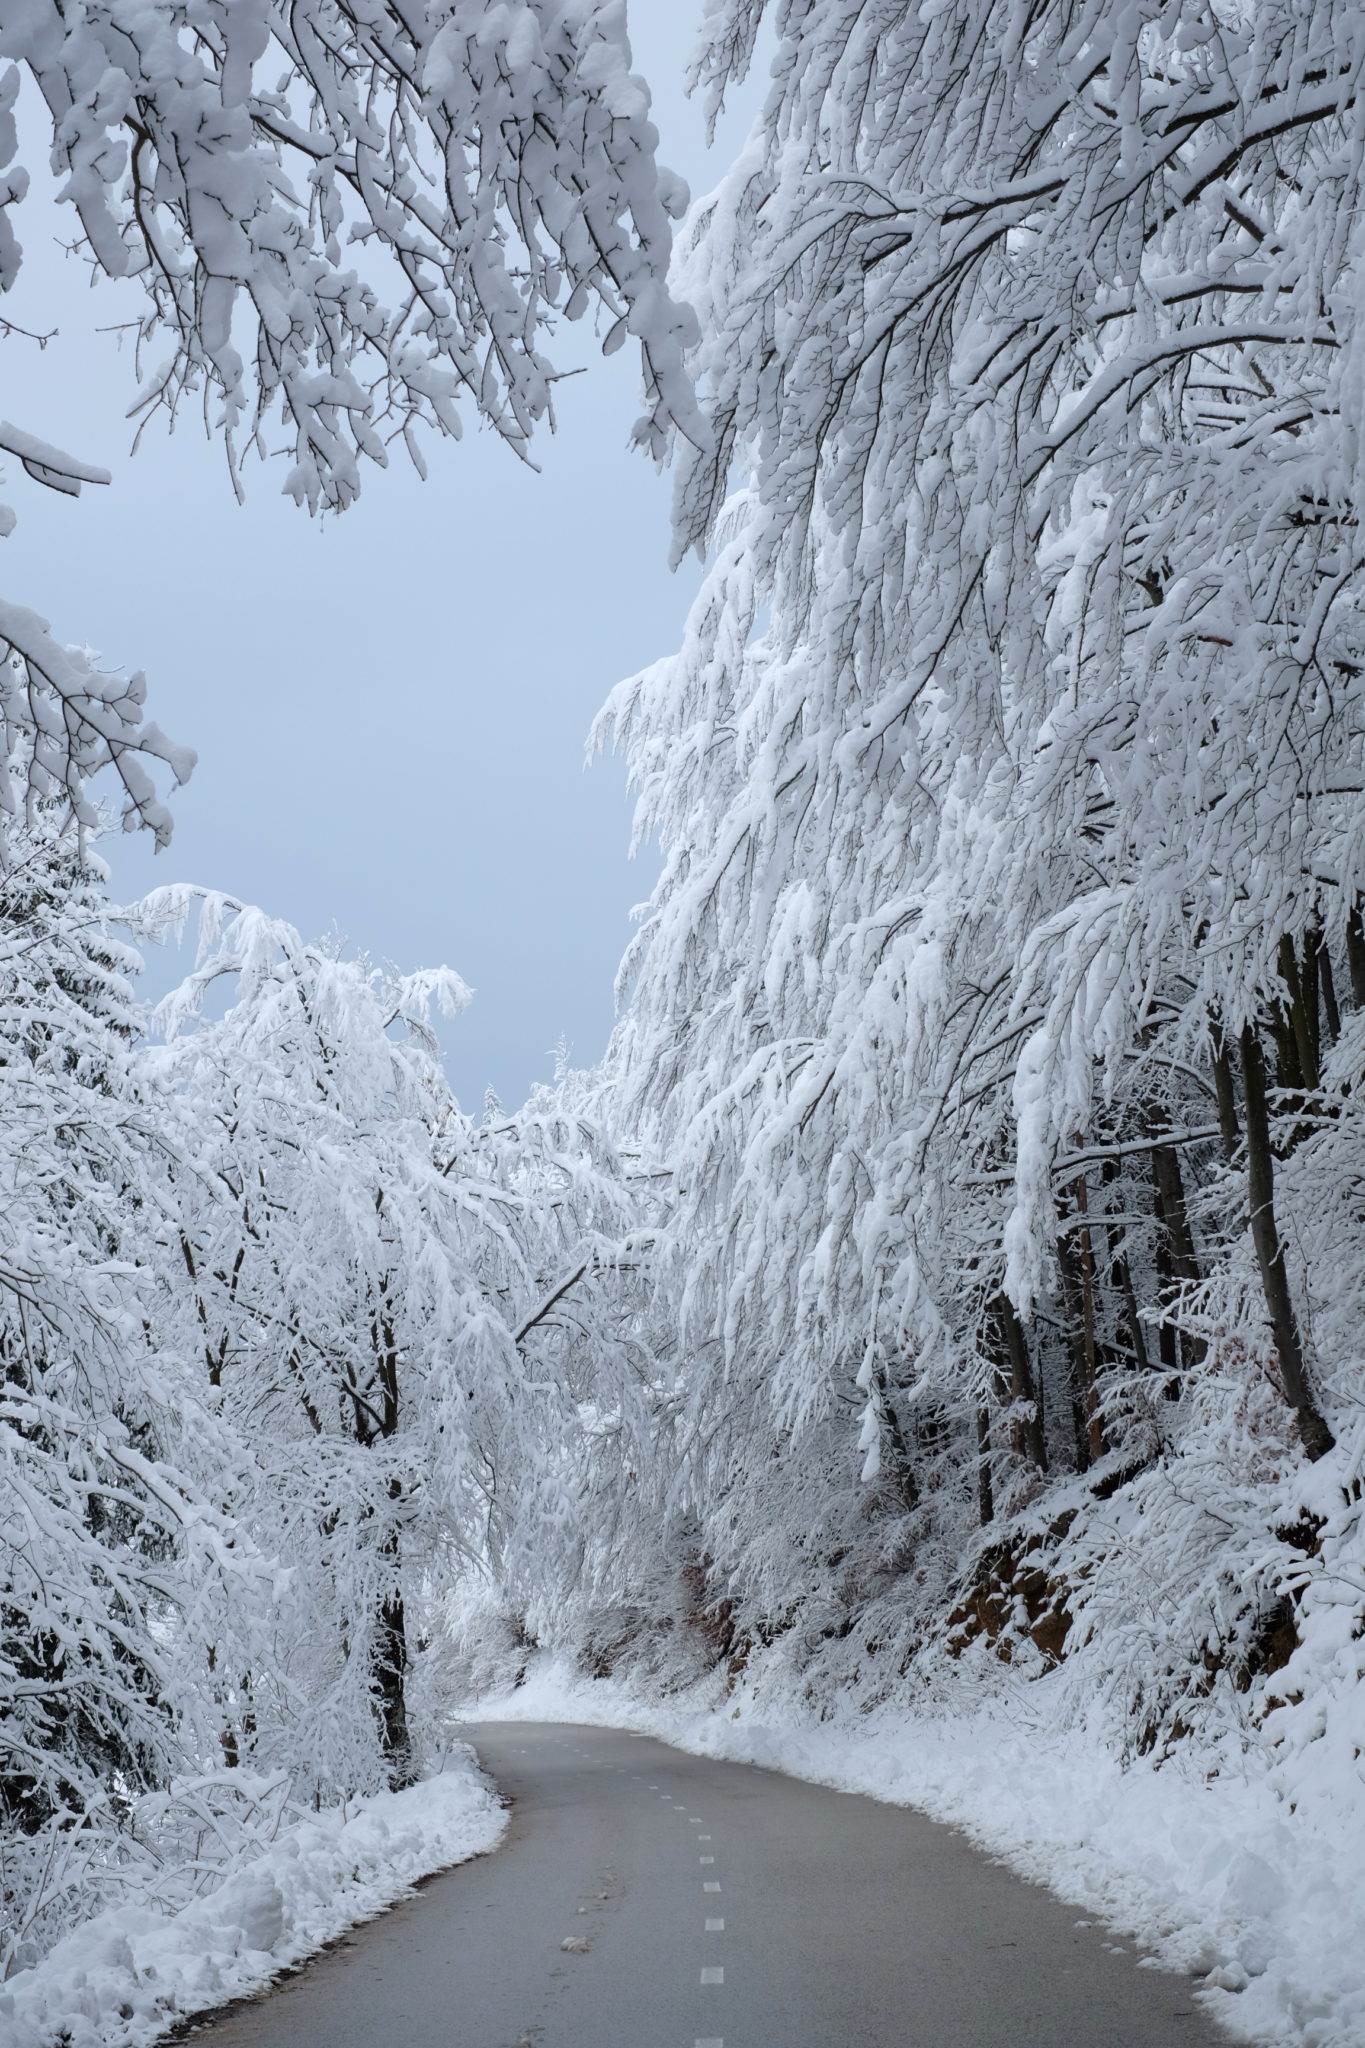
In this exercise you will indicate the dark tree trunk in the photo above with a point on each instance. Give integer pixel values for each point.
(389, 1670)
(1225, 1087)
(985, 1486)
(1121, 1277)
(1303, 1020)
(1170, 1186)
(376, 1420)
(1168, 1337)
(1316, 1437)
(902, 1475)
(1325, 981)
(1355, 956)
(1008, 1345)
(1089, 1323)
(391, 1644)
(1174, 1221)
(1084, 1392)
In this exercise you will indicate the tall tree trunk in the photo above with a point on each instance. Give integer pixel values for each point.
(1316, 1437)
(1009, 1345)
(985, 1485)
(1320, 961)
(902, 1474)
(1355, 956)
(389, 1658)
(1121, 1276)
(1225, 1089)
(1174, 1221)
(389, 1672)
(1302, 1009)
(1089, 1322)
(1084, 1393)
(1167, 1337)
(1175, 1216)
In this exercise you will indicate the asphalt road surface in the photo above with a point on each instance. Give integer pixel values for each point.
(647, 1899)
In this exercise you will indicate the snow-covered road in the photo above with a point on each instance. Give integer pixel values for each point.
(648, 1899)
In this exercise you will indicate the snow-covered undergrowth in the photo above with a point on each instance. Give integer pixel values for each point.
(1249, 1873)
(132, 1973)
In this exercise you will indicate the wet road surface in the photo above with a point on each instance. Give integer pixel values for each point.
(647, 1899)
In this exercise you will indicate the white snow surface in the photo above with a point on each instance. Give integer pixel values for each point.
(1258, 1893)
(128, 1976)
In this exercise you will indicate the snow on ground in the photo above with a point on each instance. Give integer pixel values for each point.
(1223, 1877)
(129, 1975)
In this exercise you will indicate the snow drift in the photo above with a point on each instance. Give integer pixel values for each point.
(126, 1977)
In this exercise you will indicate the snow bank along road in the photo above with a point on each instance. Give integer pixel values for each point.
(647, 1899)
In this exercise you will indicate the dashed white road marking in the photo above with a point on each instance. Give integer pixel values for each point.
(713, 1974)
(710, 1884)
(711, 2042)
(695, 1819)
(715, 1927)
(703, 1838)
(706, 1859)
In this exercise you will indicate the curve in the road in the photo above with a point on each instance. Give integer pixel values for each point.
(648, 1899)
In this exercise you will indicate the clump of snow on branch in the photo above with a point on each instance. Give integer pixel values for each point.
(349, 219)
(349, 226)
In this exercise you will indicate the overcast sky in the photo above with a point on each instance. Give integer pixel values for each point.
(389, 708)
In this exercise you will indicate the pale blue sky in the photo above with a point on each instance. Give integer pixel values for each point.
(389, 708)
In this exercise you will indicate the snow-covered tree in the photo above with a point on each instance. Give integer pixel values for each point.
(331, 1311)
(112, 1555)
(348, 225)
(394, 1306)
(345, 223)
(355, 215)
(1009, 778)
(293, 1353)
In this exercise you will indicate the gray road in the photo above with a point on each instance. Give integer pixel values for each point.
(647, 1899)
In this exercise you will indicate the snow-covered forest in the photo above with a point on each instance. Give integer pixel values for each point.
(950, 1281)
